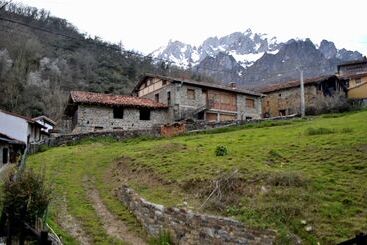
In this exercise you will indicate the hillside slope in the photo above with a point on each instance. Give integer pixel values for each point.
(303, 177)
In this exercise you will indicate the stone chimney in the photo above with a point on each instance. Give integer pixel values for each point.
(232, 85)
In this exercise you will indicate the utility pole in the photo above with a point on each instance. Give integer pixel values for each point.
(302, 95)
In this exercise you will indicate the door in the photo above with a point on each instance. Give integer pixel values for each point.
(5, 155)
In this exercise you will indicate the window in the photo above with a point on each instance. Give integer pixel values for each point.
(98, 128)
(250, 103)
(164, 82)
(156, 97)
(144, 114)
(190, 94)
(118, 112)
(168, 98)
(280, 95)
(282, 113)
(5, 155)
(358, 81)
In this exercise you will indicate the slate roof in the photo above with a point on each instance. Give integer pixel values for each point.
(81, 97)
(9, 140)
(28, 119)
(222, 87)
(293, 83)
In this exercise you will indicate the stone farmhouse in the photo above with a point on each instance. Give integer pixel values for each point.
(90, 112)
(356, 74)
(284, 98)
(188, 99)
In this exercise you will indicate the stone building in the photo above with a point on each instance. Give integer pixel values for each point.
(200, 100)
(356, 74)
(285, 99)
(90, 112)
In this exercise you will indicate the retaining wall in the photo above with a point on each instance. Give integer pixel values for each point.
(187, 227)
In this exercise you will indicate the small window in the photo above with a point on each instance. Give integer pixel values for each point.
(190, 94)
(358, 81)
(164, 83)
(280, 95)
(248, 118)
(250, 103)
(282, 112)
(168, 98)
(98, 128)
(156, 97)
(118, 112)
(117, 128)
(144, 114)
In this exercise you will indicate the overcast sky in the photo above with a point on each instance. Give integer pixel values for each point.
(145, 25)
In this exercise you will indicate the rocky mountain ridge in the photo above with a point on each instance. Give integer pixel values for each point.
(255, 59)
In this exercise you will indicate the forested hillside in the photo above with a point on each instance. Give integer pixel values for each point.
(43, 57)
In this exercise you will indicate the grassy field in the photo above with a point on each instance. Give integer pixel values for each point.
(305, 177)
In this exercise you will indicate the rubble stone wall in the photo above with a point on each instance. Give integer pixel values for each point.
(187, 227)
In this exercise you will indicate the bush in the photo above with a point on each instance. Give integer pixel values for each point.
(333, 104)
(221, 150)
(25, 196)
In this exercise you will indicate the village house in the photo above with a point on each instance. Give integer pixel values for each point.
(90, 112)
(48, 123)
(188, 99)
(11, 150)
(285, 99)
(20, 128)
(356, 73)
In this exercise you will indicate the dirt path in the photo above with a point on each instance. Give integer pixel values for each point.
(71, 225)
(112, 224)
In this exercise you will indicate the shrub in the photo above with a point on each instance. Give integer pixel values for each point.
(25, 196)
(319, 131)
(221, 150)
(333, 104)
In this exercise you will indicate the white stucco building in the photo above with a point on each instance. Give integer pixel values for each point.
(20, 128)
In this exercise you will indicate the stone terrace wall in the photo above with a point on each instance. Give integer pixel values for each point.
(119, 135)
(187, 227)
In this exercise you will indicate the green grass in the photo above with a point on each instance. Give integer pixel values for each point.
(291, 170)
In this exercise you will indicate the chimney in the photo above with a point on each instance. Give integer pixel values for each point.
(232, 85)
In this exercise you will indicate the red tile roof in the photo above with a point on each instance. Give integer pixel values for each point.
(113, 100)
(292, 84)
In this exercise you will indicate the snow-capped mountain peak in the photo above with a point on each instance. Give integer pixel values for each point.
(245, 47)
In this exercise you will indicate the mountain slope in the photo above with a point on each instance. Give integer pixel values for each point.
(254, 59)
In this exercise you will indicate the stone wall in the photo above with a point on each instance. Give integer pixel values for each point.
(187, 227)
(119, 135)
(288, 100)
(243, 111)
(96, 118)
(169, 130)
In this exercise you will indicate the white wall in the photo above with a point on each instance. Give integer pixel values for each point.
(14, 127)
(44, 123)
